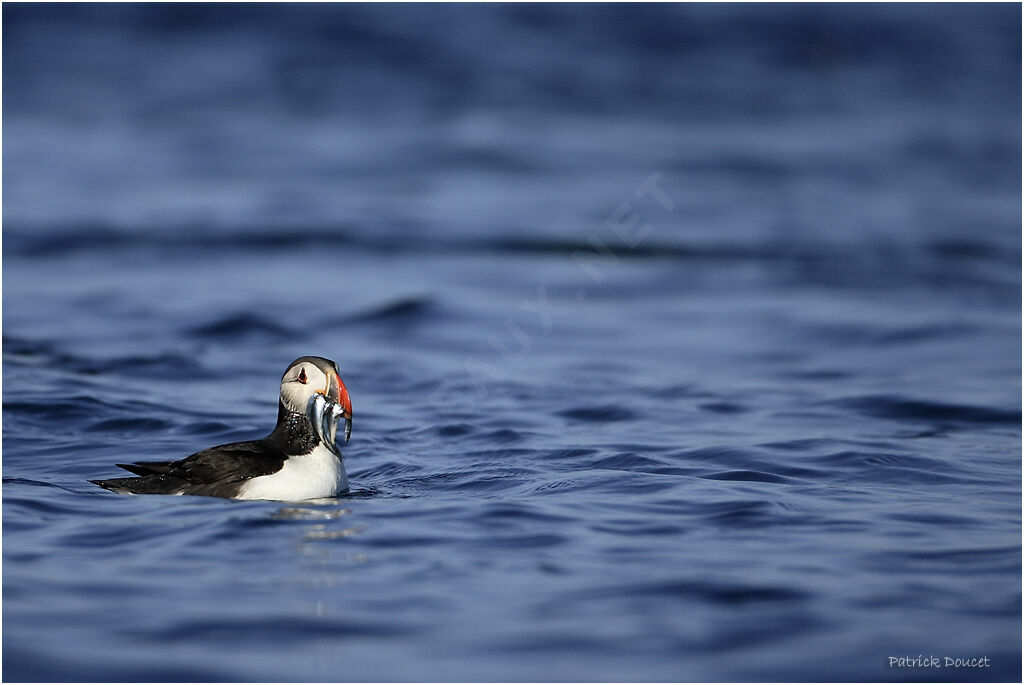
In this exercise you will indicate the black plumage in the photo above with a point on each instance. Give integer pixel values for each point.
(220, 471)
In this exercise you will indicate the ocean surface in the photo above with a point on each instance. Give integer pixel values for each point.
(684, 342)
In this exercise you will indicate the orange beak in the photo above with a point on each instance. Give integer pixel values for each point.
(346, 404)
(342, 397)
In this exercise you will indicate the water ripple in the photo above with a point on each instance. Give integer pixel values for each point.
(241, 325)
(752, 476)
(282, 630)
(905, 409)
(598, 414)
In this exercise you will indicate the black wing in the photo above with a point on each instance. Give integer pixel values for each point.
(225, 463)
(216, 471)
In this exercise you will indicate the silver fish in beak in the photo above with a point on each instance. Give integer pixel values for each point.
(325, 415)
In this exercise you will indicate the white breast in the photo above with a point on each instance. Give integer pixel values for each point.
(310, 476)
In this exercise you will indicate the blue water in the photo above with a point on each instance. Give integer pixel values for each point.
(767, 429)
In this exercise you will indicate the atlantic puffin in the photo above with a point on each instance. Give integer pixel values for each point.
(299, 460)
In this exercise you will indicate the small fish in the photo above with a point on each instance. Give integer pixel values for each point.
(325, 415)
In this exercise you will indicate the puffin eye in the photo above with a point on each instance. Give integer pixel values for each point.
(302, 376)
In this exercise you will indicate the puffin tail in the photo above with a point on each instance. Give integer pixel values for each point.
(146, 468)
(118, 485)
(147, 485)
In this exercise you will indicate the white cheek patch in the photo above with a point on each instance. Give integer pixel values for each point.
(295, 395)
(291, 395)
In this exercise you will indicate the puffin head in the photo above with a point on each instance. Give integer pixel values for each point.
(312, 386)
